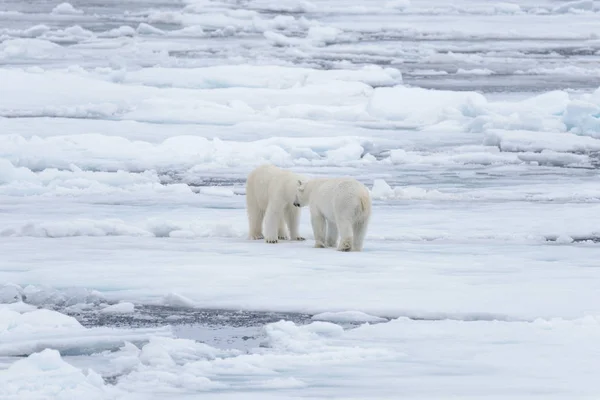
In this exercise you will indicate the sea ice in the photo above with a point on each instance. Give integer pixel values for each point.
(128, 130)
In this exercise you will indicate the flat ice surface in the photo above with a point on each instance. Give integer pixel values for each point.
(127, 130)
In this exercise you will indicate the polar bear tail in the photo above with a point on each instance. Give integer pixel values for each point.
(364, 204)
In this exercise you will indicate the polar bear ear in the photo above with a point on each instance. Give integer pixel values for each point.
(299, 182)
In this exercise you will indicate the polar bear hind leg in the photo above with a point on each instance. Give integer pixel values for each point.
(273, 220)
(332, 234)
(345, 229)
(255, 217)
(292, 218)
(361, 222)
(318, 223)
(360, 230)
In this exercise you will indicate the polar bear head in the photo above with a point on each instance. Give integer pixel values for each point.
(301, 195)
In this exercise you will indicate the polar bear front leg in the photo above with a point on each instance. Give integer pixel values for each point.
(292, 218)
(332, 234)
(273, 218)
(282, 230)
(317, 221)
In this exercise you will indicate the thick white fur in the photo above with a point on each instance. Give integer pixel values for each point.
(338, 207)
(270, 195)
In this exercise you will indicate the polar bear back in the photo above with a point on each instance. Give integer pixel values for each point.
(269, 183)
(341, 196)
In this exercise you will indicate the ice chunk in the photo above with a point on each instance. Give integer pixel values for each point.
(507, 8)
(121, 31)
(323, 35)
(583, 117)
(347, 316)
(26, 331)
(423, 106)
(571, 6)
(30, 48)
(549, 157)
(11, 293)
(522, 141)
(476, 71)
(66, 9)
(147, 29)
(46, 375)
(79, 227)
(349, 152)
(381, 190)
(177, 300)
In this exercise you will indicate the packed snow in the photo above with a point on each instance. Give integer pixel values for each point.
(127, 130)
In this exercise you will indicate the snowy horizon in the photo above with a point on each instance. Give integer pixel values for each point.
(127, 131)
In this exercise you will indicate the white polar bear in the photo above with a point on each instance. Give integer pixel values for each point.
(336, 205)
(270, 195)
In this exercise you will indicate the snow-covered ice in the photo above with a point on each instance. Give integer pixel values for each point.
(127, 130)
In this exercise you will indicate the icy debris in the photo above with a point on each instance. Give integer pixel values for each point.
(32, 331)
(36, 30)
(397, 4)
(147, 29)
(347, 153)
(179, 351)
(533, 141)
(30, 49)
(177, 300)
(46, 375)
(347, 316)
(564, 239)
(424, 106)
(79, 227)
(293, 6)
(574, 6)
(286, 335)
(121, 31)
(476, 71)
(66, 9)
(381, 190)
(119, 308)
(11, 293)
(507, 8)
(553, 158)
(583, 117)
(115, 227)
(323, 35)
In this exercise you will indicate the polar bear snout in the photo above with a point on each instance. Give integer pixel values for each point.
(296, 204)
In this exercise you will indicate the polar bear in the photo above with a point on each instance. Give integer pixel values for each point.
(270, 195)
(337, 205)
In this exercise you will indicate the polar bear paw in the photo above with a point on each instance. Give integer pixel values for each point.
(319, 245)
(299, 238)
(271, 240)
(345, 245)
(282, 237)
(257, 236)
